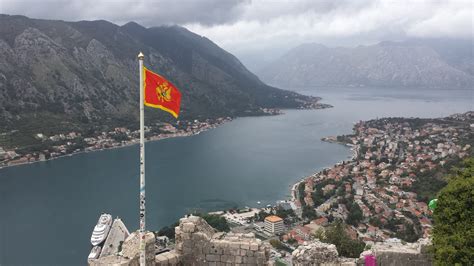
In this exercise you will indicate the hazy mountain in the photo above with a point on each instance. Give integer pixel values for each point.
(414, 63)
(60, 74)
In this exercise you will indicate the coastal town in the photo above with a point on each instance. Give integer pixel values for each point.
(398, 166)
(74, 142)
(381, 195)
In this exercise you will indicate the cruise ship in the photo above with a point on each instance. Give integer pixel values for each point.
(101, 229)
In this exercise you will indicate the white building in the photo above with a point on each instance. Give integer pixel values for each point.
(274, 225)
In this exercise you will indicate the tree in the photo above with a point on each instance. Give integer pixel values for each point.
(318, 197)
(337, 235)
(301, 193)
(375, 221)
(119, 136)
(280, 212)
(261, 216)
(216, 221)
(453, 234)
(355, 214)
(276, 243)
(308, 212)
(291, 241)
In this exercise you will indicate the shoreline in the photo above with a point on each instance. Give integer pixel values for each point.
(266, 112)
(294, 186)
(128, 144)
(353, 149)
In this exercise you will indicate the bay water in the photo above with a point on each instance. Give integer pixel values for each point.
(48, 209)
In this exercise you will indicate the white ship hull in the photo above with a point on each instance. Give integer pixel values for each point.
(101, 230)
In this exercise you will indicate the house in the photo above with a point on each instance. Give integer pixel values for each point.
(299, 233)
(321, 221)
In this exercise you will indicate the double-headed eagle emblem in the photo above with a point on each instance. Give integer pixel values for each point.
(163, 91)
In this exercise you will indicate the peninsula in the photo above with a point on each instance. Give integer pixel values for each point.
(397, 167)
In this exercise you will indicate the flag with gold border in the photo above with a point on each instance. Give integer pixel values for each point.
(160, 93)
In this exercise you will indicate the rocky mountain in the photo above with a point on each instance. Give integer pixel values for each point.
(56, 75)
(415, 63)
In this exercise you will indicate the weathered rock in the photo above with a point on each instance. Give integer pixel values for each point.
(394, 252)
(315, 253)
(131, 247)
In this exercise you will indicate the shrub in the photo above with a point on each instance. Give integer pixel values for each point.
(453, 234)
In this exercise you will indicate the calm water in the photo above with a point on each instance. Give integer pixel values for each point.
(48, 209)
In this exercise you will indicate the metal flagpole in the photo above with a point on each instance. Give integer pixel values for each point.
(142, 165)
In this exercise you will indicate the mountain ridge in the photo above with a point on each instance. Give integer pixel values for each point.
(415, 63)
(75, 75)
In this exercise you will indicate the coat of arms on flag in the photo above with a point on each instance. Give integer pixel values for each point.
(160, 93)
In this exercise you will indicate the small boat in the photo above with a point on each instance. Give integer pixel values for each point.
(258, 202)
(101, 229)
(95, 252)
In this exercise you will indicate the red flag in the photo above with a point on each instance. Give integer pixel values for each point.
(160, 93)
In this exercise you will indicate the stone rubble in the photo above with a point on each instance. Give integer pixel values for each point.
(315, 253)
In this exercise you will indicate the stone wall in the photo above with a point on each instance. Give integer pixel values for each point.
(171, 258)
(199, 244)
(389, 253)
(393, 253)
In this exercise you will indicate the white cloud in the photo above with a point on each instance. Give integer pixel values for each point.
(291, 23)
(455, 21)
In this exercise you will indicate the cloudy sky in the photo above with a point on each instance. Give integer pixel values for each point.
(268, 28)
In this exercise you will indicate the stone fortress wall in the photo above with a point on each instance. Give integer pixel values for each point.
(197, 243)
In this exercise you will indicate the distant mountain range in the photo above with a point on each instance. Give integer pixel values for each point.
(433, 63)
(57, 75)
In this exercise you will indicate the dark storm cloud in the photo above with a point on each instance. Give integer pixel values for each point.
(147, 12)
